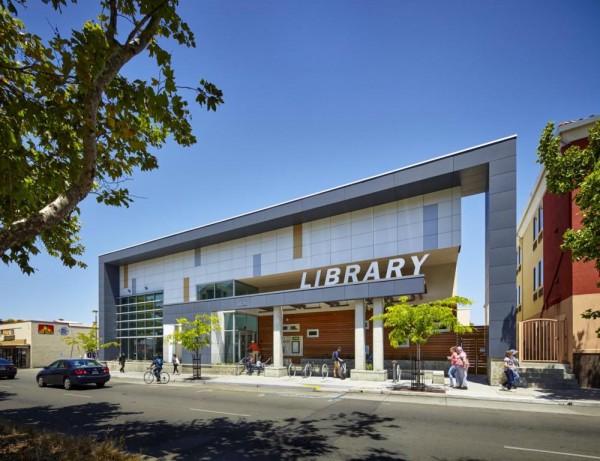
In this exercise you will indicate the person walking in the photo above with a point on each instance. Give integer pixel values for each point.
(509, 366)
(462, 368)
(254, 351)
(453, 357)
(175, 364)
(122, 363)
(337, 364)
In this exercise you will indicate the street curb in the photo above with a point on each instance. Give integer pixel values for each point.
(421, 396)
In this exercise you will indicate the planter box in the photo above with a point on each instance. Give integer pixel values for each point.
(369, 375)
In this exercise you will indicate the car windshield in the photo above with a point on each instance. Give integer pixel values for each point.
(5, 362)
(82, 363)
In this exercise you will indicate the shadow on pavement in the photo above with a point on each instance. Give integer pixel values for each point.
(214, 439)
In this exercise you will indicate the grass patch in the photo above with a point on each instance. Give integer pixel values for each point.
(19, 444)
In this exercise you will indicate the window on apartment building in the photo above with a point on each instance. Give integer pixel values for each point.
(538, 223)
(538, 275)
(519, 256)
(519, 295)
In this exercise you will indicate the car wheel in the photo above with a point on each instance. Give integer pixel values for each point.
(11, 377)
(68, 384)
(41, 382)
(100, 384)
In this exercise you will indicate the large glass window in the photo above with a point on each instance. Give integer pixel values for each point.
(240, 329)
(205, 291)
(225, 289)
(242, 289)
(140, 325)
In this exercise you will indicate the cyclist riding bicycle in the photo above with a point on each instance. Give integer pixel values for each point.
(157, 365)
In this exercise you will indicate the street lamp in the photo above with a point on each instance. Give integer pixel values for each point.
(95, 312)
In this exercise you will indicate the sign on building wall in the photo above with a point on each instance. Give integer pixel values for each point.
(44, 329)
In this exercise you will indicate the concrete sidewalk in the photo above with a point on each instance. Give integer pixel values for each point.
(478, 388)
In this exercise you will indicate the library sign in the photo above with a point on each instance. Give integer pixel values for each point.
(353, 273)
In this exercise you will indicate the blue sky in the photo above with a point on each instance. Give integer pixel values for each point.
(319, 94)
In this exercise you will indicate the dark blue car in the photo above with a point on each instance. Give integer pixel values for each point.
(73, 372)
(7, 369)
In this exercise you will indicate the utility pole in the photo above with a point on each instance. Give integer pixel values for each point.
(95, 312)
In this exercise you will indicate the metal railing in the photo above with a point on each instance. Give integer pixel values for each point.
(538, 340)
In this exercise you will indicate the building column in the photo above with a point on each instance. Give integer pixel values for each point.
(377, 335)
(277, 336)
(359, 334)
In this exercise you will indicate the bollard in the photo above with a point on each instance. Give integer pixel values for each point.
(395, 377)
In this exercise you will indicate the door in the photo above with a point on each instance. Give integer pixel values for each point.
(244, 338)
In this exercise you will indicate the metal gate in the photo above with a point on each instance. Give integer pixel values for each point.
(538, 340)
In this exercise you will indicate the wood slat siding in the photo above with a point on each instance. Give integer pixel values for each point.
(337, 329)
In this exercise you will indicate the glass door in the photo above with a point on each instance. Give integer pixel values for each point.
(244, 337)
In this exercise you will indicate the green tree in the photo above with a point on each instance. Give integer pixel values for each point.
(576, 171)
(417, 323)
(88, 342)
(71, 123)
(194, 336)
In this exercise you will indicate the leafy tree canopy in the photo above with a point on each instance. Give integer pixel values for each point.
(72, 124)
(577, 170)
(195, 335)
(417, 323)
(88, 342)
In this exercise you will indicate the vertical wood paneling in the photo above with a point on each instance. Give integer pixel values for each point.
(337, 329)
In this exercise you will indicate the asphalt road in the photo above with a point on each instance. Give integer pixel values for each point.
(201, 422)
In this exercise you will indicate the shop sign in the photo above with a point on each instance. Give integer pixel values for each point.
(352, 273)
(45, 329)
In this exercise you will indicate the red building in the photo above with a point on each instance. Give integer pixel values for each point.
(560, 289)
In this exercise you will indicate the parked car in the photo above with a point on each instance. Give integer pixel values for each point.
(7, 369)
(73, 372)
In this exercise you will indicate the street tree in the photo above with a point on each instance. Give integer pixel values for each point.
(417, 323)
(88, 342)
(195, 335)
(576, 171)
(72, 123)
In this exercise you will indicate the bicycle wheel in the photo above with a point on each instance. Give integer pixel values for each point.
(343, 370)
(324, 371)
(165, 377)
(291, 370)
(307, 373)
(148, 377)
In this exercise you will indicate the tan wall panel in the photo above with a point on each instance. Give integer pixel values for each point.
(125, 276)
(186, 289)
(297, 241)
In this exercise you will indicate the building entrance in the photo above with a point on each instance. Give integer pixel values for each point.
(240, 330)
(245, 337)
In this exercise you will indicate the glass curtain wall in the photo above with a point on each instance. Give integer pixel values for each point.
(239, 330)
(140, 325)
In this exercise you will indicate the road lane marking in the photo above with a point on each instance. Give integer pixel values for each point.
(219, 412)
(575, 455)
(6, 387)
(199, 392)
(79, 395)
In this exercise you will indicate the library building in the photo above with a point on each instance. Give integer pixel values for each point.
(303, 277)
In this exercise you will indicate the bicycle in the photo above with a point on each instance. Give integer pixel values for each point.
(311, 368)
(343, 370)
(149, 377)
(291, 370)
